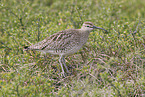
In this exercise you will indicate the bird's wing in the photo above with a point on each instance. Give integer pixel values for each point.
(62, 40)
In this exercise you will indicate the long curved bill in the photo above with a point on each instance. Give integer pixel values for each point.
(95, 27)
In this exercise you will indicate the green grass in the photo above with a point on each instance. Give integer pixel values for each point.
(108, 65)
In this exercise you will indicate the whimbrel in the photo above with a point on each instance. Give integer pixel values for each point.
(65, 42)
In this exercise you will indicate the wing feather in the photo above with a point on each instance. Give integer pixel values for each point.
(63, 40)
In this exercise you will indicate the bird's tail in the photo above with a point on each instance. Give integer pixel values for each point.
(26, 48)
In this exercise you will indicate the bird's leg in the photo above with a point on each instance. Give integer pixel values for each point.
(63, 60)
(60, 61)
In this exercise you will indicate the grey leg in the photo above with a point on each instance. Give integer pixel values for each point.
(65, 64)
(60, 59)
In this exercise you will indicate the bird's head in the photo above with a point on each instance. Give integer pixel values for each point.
(89, 26)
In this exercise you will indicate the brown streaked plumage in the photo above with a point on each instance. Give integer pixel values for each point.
(65, 42)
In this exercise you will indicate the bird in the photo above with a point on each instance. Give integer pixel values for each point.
(65, 42)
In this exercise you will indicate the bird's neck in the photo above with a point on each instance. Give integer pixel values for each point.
(85, 32)
(84, 35)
